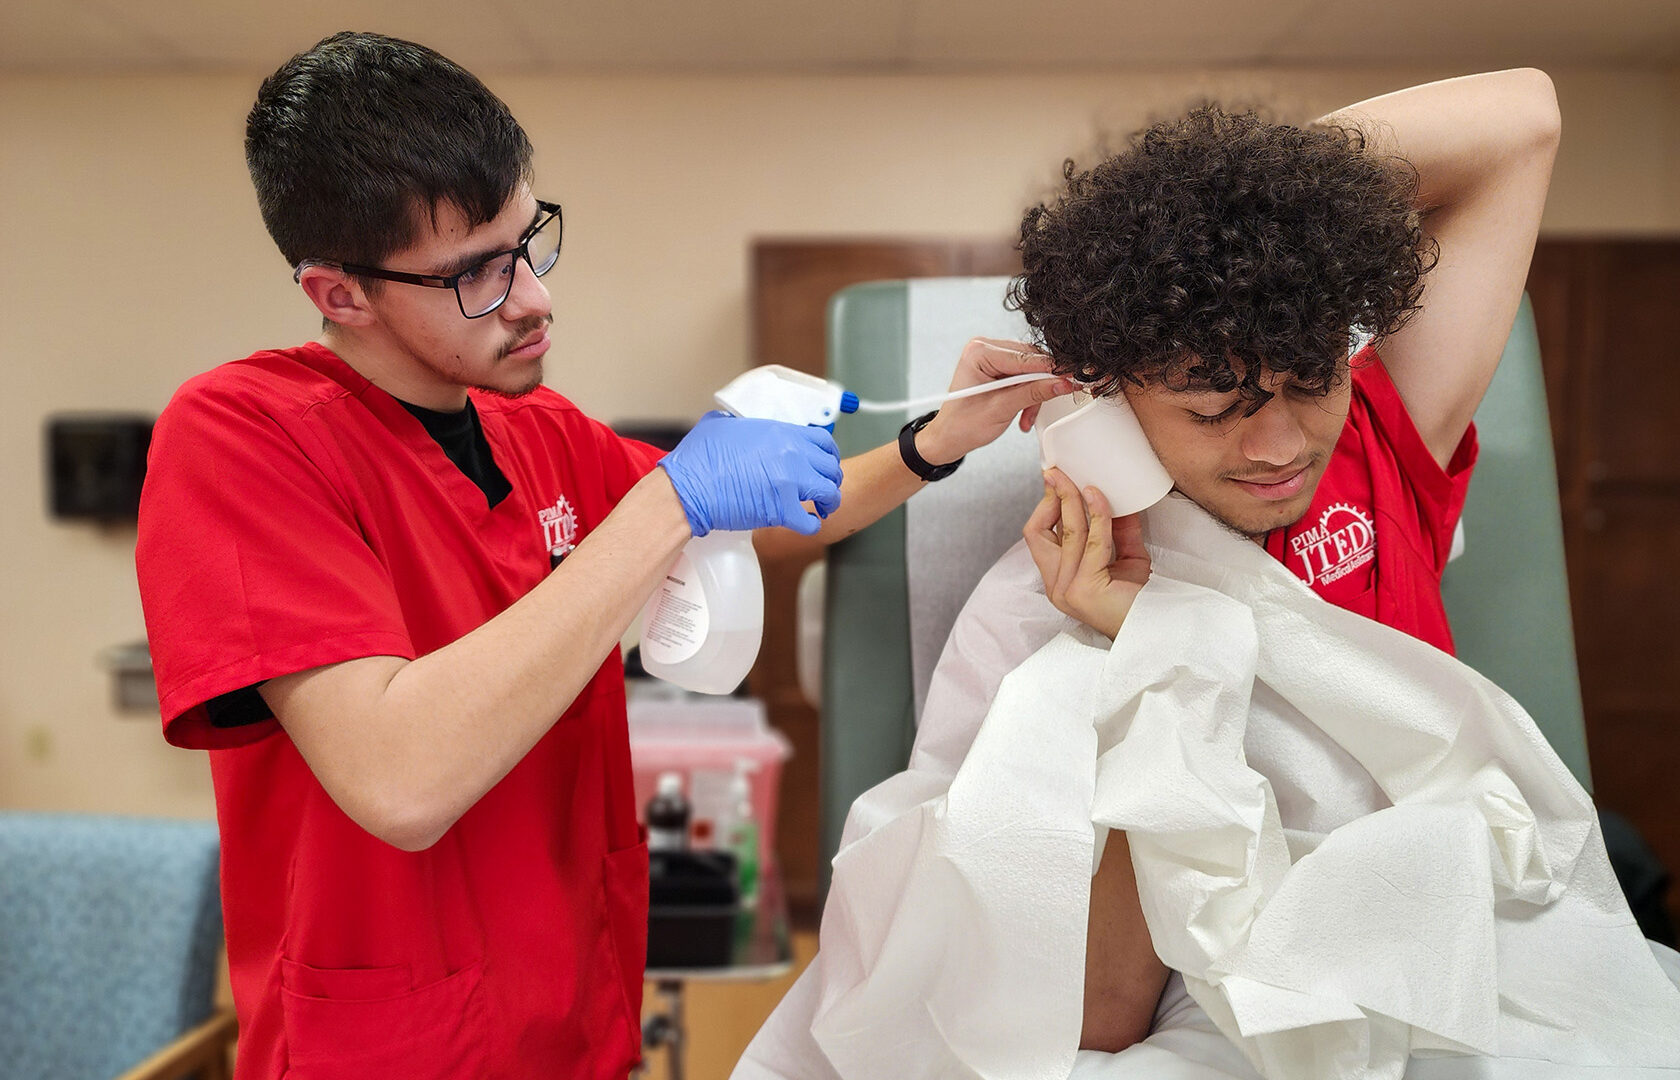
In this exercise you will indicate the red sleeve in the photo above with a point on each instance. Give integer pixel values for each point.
(625, 461)
(250, 563)
(1439, 493)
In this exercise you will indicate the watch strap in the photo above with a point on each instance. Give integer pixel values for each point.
(913, 459)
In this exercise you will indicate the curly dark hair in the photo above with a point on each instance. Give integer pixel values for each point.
(1219, 245)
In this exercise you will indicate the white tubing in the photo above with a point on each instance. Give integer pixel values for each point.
(918, 404)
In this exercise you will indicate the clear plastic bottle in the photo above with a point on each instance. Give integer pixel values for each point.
(667, 815)
(741, 838)
(702, 626)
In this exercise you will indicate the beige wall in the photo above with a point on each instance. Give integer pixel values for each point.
(133, 257)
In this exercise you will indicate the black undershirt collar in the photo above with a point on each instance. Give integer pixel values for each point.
(461, 436)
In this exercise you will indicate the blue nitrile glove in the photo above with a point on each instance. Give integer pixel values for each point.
(735, 472)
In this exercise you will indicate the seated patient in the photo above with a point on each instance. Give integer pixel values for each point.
(1211, 273)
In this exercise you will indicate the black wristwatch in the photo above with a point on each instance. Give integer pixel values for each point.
(913, 460)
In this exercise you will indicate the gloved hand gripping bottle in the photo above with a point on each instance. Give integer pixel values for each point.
(702, 626)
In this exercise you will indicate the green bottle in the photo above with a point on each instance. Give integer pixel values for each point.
(742, 837)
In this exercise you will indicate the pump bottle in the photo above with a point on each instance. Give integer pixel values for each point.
(741, 837)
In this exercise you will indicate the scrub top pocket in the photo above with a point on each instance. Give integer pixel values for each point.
(365, 1024)
(625, 884)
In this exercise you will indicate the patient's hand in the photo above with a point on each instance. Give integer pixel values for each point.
(969, 423)
(1093, 566)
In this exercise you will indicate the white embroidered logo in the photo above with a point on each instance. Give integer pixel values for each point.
(559, 526)
(1341, 543)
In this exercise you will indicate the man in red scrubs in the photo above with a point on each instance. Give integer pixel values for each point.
(1211, 273)
(385, 574)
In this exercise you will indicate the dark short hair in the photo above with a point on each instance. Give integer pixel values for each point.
(1220, 245)
(351, 142)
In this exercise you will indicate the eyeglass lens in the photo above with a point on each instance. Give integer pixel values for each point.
(483, 288)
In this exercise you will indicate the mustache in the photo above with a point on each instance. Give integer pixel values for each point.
(523, 329)
(1288, 470)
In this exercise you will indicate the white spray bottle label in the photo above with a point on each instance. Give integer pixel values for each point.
(701, 627)
(678, 617)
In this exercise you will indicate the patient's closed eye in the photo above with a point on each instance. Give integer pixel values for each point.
(1216, 417)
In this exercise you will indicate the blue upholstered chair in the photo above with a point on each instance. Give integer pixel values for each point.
(110, 931)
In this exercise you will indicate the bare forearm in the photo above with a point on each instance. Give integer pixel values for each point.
(431, 736)
(1483, 148)
(1463, 134)
(878, 481)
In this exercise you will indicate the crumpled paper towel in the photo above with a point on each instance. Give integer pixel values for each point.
(1469, 909)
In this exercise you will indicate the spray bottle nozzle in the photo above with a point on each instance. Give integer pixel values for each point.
(774, 392)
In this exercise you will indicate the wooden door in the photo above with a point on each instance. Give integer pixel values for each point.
(1605, 310)
(792, 281)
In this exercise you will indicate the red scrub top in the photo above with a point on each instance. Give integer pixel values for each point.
(295, 515)
(1376, 537)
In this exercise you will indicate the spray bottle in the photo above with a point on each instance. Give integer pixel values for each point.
(702, 626)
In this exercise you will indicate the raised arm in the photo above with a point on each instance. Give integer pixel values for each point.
(1483, 147)
(405, 747)
(877, 481)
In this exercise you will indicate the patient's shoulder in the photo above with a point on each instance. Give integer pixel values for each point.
(1009, 608)
(1012, 583)
(1015, 570)
(1006, 619)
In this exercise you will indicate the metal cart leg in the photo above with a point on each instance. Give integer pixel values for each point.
(665, 1028)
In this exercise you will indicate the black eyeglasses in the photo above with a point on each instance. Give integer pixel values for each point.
(484, 286)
